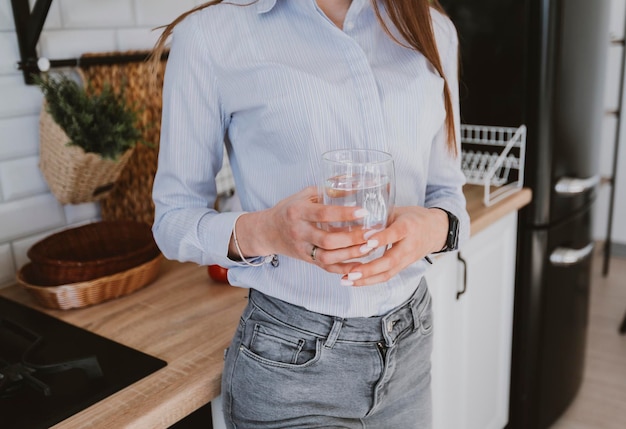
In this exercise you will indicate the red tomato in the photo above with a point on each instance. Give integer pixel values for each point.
(218, 273)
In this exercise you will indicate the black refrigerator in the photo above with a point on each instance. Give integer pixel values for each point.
(541, 63)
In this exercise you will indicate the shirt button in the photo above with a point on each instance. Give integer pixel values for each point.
(348, 26)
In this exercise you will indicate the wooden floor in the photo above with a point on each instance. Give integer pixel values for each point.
(601, 402)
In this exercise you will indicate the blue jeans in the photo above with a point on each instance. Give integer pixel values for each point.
(288, 367)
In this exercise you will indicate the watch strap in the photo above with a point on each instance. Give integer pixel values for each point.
(452, 239)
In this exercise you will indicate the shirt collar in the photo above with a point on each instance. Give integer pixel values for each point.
(263, 6)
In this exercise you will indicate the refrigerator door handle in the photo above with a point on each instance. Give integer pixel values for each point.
(563, 256)
(574, 186)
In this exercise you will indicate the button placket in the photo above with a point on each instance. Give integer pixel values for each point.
(368, 98)
(366, 88)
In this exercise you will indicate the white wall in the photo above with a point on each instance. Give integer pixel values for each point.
(607, 141)
(28, 212)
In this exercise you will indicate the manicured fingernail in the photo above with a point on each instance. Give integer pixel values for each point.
(369, 233)
(372, 244)
(365, 248)
(345, 282)
(361, 213)
(355, 275)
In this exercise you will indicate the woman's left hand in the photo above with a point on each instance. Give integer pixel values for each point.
(413, 232)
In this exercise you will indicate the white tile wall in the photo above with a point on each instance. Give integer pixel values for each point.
(19, 137)
(73, 43)
(97, 13)
(53, 19)
(18, 99)
(20, 178)
(10, 52)
(80, 213)
(29, 216)
(6, 16)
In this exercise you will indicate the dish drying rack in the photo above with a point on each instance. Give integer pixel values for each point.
(493, 157)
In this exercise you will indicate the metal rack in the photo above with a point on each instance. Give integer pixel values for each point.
(493, 157)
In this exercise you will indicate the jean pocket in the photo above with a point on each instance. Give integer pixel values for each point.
(279, 345)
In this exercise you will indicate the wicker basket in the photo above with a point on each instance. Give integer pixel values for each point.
(73, 175)
(91, 251)
(92, 292)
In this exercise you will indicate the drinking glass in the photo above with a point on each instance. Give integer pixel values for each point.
(360, 178)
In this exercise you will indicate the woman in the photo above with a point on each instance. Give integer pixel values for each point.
(323, 342)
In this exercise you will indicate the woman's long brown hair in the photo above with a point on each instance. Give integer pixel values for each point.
(412, 20)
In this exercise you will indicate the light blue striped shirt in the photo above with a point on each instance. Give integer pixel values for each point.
(282, 84)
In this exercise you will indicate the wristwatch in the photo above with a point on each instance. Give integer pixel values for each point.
(452, 239)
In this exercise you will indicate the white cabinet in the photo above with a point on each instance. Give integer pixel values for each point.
(473, 319)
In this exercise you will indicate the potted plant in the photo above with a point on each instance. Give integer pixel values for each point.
(86, 138)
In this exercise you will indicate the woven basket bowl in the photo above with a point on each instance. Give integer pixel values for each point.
(83, 294)
(91, 251)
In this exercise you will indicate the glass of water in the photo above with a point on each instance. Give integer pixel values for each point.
(360, 178)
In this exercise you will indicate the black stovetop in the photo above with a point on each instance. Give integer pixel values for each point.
(70, 390)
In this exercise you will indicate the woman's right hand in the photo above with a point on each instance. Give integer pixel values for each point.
(291, 228)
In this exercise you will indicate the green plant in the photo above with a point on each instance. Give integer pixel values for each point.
(98, 122)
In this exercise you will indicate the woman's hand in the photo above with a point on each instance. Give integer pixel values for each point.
(413, 232)
(291, 228)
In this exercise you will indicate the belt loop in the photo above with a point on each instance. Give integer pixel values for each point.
(334, 333)
(384, 327)
(415, 314)
(248, 310)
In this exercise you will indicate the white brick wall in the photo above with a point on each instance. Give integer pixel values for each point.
(85, 14)
(28, 212)
(6, 16)
(19, 136)
(21, 178)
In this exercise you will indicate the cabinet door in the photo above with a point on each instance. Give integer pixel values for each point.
(487, 325)
(473, 320)
(443, 281)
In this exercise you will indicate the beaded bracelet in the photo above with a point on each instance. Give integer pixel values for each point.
(273, 259)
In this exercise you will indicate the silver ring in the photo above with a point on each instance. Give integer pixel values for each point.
(313, 252)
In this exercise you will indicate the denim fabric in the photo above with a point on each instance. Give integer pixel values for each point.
(288, 367)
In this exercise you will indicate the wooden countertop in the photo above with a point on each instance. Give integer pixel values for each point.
(188, 320)
(482, 216)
